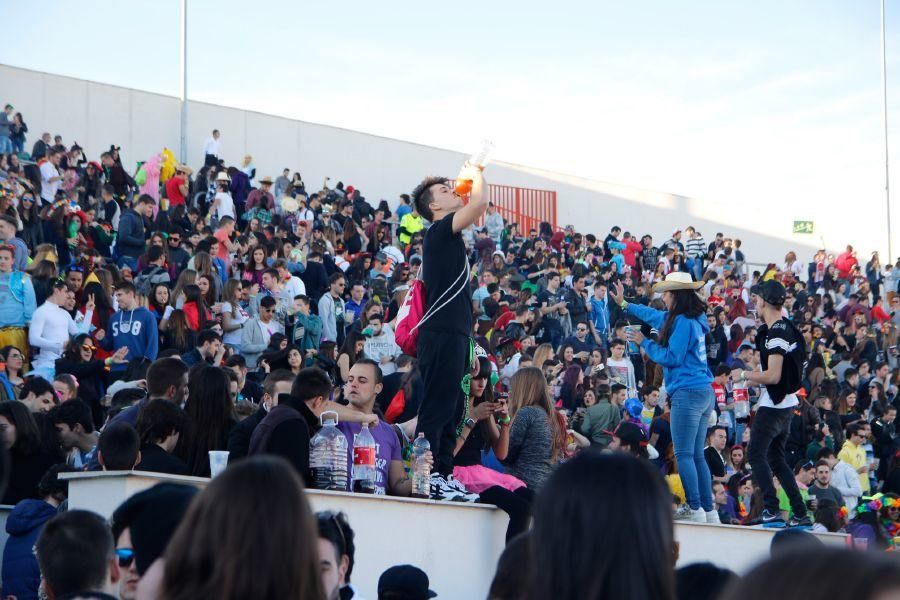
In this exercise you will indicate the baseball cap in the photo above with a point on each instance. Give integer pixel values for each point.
(633, 407)
(771, 291)
(745, 345)
(505, 340)
(405, 581)
(627, 432)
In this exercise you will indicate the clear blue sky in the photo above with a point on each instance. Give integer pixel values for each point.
(718, 99)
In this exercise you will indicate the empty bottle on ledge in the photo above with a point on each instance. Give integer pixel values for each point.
(421, 470)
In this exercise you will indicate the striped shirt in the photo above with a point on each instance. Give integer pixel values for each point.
(695, 248)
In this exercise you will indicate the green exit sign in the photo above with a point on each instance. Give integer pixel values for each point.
(803, 227)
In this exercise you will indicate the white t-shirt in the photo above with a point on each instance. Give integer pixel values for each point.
(622, 371)
(48, 190)
(211, 146)
(292, 287)
(50, 331)
(226, 205)
(790, 401)
(268, 328)
(238, 315)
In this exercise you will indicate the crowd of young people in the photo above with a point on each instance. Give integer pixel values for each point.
(151, 315)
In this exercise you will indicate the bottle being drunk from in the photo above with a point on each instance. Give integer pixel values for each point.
(480, 159)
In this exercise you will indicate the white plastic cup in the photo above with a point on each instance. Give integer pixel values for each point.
(218, 460)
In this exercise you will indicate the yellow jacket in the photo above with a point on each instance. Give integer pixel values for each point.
(410, 224)
(855, 456)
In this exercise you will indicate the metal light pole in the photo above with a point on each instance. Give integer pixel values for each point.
(184, 107)
(887, 177)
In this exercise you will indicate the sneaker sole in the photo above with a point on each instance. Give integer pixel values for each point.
(773, 525)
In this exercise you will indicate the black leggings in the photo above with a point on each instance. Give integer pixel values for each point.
(516, 504)
(443, 359)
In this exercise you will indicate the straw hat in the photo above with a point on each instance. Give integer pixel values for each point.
(266, 179)
(180, 168)
(289, 204)
(677, 281)
(222, 176)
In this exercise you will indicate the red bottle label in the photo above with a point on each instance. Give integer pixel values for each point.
(364, 456)
(741, 395)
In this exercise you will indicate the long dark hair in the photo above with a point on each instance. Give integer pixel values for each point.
(192, 294)
(73, 351)
(837, 574)
(485, 369)
(224, 541)
(28, 436)
(210, 410)
(179, 330)
(103, 305)
(687, 303)
(625, 498)
(349, 346)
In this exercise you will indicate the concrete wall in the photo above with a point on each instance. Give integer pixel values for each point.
(430, 536)
(432, 532)
(97, 115)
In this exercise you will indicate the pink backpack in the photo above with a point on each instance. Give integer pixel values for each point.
(413, 314)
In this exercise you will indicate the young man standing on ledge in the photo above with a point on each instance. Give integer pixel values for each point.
(782, 354)
(445, 338)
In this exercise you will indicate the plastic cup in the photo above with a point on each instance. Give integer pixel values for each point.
(861, 543)
(632, 347)
(218, 460)
(349, 316)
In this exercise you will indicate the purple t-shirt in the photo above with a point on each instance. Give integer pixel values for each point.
(387, 448)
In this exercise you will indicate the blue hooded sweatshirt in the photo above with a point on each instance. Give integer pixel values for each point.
(21, 574)
(135, 329)
(683, 358)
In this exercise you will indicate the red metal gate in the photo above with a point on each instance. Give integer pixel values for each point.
(526, 206)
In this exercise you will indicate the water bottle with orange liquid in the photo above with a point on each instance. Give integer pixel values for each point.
(480, 159)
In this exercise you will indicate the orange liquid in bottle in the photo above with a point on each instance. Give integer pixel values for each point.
(463, 187)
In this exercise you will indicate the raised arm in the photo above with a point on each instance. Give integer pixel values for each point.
(651, 316)
(478, 199)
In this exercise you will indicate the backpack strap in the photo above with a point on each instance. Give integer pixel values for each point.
(438, 305)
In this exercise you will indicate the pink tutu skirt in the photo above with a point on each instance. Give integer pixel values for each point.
(478, 478)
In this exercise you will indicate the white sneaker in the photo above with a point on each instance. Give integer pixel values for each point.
(712, 517)
(458, 486)
(441, 489)
(698, 516)
(683, 513)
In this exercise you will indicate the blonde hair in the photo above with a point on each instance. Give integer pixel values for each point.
(187, 277)
(542, 353)
(529, 388)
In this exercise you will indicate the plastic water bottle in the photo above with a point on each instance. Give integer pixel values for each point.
(421, 471)
(364, 461)
(480, 159)
(328, 455)
(741, 401)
